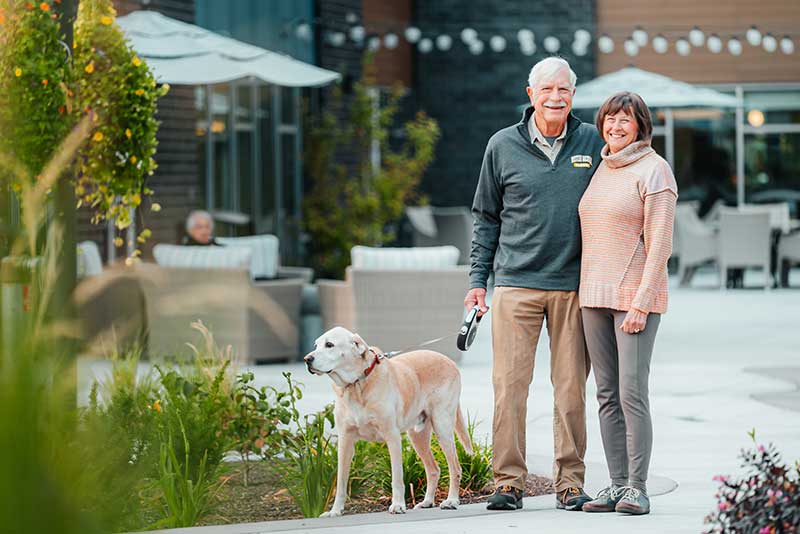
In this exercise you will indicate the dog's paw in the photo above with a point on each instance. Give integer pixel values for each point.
(332, 513)
(449, 504)
(397, 508)
(424, 504)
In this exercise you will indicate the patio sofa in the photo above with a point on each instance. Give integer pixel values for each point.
(398, 297)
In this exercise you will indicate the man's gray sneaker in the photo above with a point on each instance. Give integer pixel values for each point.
(634, 501)
(606, 500)
(571, 499)
(505, 498)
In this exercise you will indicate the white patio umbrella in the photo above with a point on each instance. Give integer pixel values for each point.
(182, 53)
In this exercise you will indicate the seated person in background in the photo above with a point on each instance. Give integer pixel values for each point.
(200, 230)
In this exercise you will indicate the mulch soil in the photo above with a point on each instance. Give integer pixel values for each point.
(265, 498)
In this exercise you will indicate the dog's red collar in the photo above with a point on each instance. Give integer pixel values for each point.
(375, 361)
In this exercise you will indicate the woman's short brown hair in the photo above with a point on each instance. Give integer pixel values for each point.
(633, 105)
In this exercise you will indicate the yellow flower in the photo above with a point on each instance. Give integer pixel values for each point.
(18, 72)
(128, 133)
(136, 61)
(155, 207)
(98, 136)
(89, 68)
(45, 82)
(106, 20)
(139, 92)
(44, 6)
(157, 405)
(136, 199)
(118, 242)
(133, 159)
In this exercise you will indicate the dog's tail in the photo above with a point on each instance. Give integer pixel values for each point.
(462, 432)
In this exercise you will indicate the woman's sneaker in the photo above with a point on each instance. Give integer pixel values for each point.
(606, 500)
(634, 501)
(505, 498)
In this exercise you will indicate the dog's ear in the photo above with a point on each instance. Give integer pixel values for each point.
(360, 345)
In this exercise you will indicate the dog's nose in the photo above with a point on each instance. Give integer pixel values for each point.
(309, 357)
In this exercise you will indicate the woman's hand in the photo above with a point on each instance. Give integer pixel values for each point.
(634, 322)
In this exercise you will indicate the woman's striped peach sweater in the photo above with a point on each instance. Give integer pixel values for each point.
(626, 217)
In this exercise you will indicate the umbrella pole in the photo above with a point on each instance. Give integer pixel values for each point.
(669, 137)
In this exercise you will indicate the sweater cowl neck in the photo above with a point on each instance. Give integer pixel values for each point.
(630, 154)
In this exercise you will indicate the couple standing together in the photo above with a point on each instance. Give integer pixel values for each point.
(577, 228)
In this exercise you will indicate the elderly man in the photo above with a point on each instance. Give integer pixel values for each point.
(527, 230)
(200, 229)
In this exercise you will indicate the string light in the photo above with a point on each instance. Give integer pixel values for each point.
(630, 47)
(787, 45)
(660, 44)
(551, 44)
(714, 43)
(425, 45)
(735, 46)
(497, 43)
(444, 42)
(528, 48)
(468, 35)
(640, 37)
(357, 33)
(605, 44)
(476, 47)
(412, 34)
(696, 37)
(769, 43)
(683, 47)
(753, 36)
(391, 40)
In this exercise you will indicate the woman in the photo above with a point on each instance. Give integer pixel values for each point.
(626, 223)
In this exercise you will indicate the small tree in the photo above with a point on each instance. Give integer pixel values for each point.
(355, 206)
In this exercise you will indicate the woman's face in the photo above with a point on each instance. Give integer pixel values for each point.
(619, 130)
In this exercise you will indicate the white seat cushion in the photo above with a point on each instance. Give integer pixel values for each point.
(265, 249)
(203, 257)
(413, 258)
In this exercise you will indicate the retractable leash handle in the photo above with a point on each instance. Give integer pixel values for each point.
(469, 329)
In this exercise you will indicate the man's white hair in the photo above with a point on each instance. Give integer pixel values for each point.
(196, 215)
(547, 69)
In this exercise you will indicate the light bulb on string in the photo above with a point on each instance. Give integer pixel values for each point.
(528, 48)
(468, 35)
(476, 47)
(753, 36)
(425, 45)
(696, 37)
(374, 43)
(582, 37)
(551, 44)
(682, 47)
(714, 43)
(631, 48)
(412, 34)
(497, 43)
(735, 46)
(357, 33)
(337, 39)
(605, 44)
(391, 40)
(640, 37)
(351, 18)
(769, 43)
(787, 45)
(660, 44)
(444, 42)
(525, 36)
(303, 31)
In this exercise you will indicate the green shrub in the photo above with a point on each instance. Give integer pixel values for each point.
(310, 454)
(255, 420)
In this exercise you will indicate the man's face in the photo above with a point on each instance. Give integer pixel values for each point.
(201, 231)
(552, 99)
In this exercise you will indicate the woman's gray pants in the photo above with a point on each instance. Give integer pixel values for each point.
(621, 364)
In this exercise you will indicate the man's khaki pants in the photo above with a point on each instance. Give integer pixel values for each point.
(517, 317)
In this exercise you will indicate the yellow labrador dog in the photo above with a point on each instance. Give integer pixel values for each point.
(378, 399)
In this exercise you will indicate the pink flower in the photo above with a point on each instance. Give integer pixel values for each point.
(770, 493)
(724, 505)
(764, 530)
(761, 448)
(720, 478)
